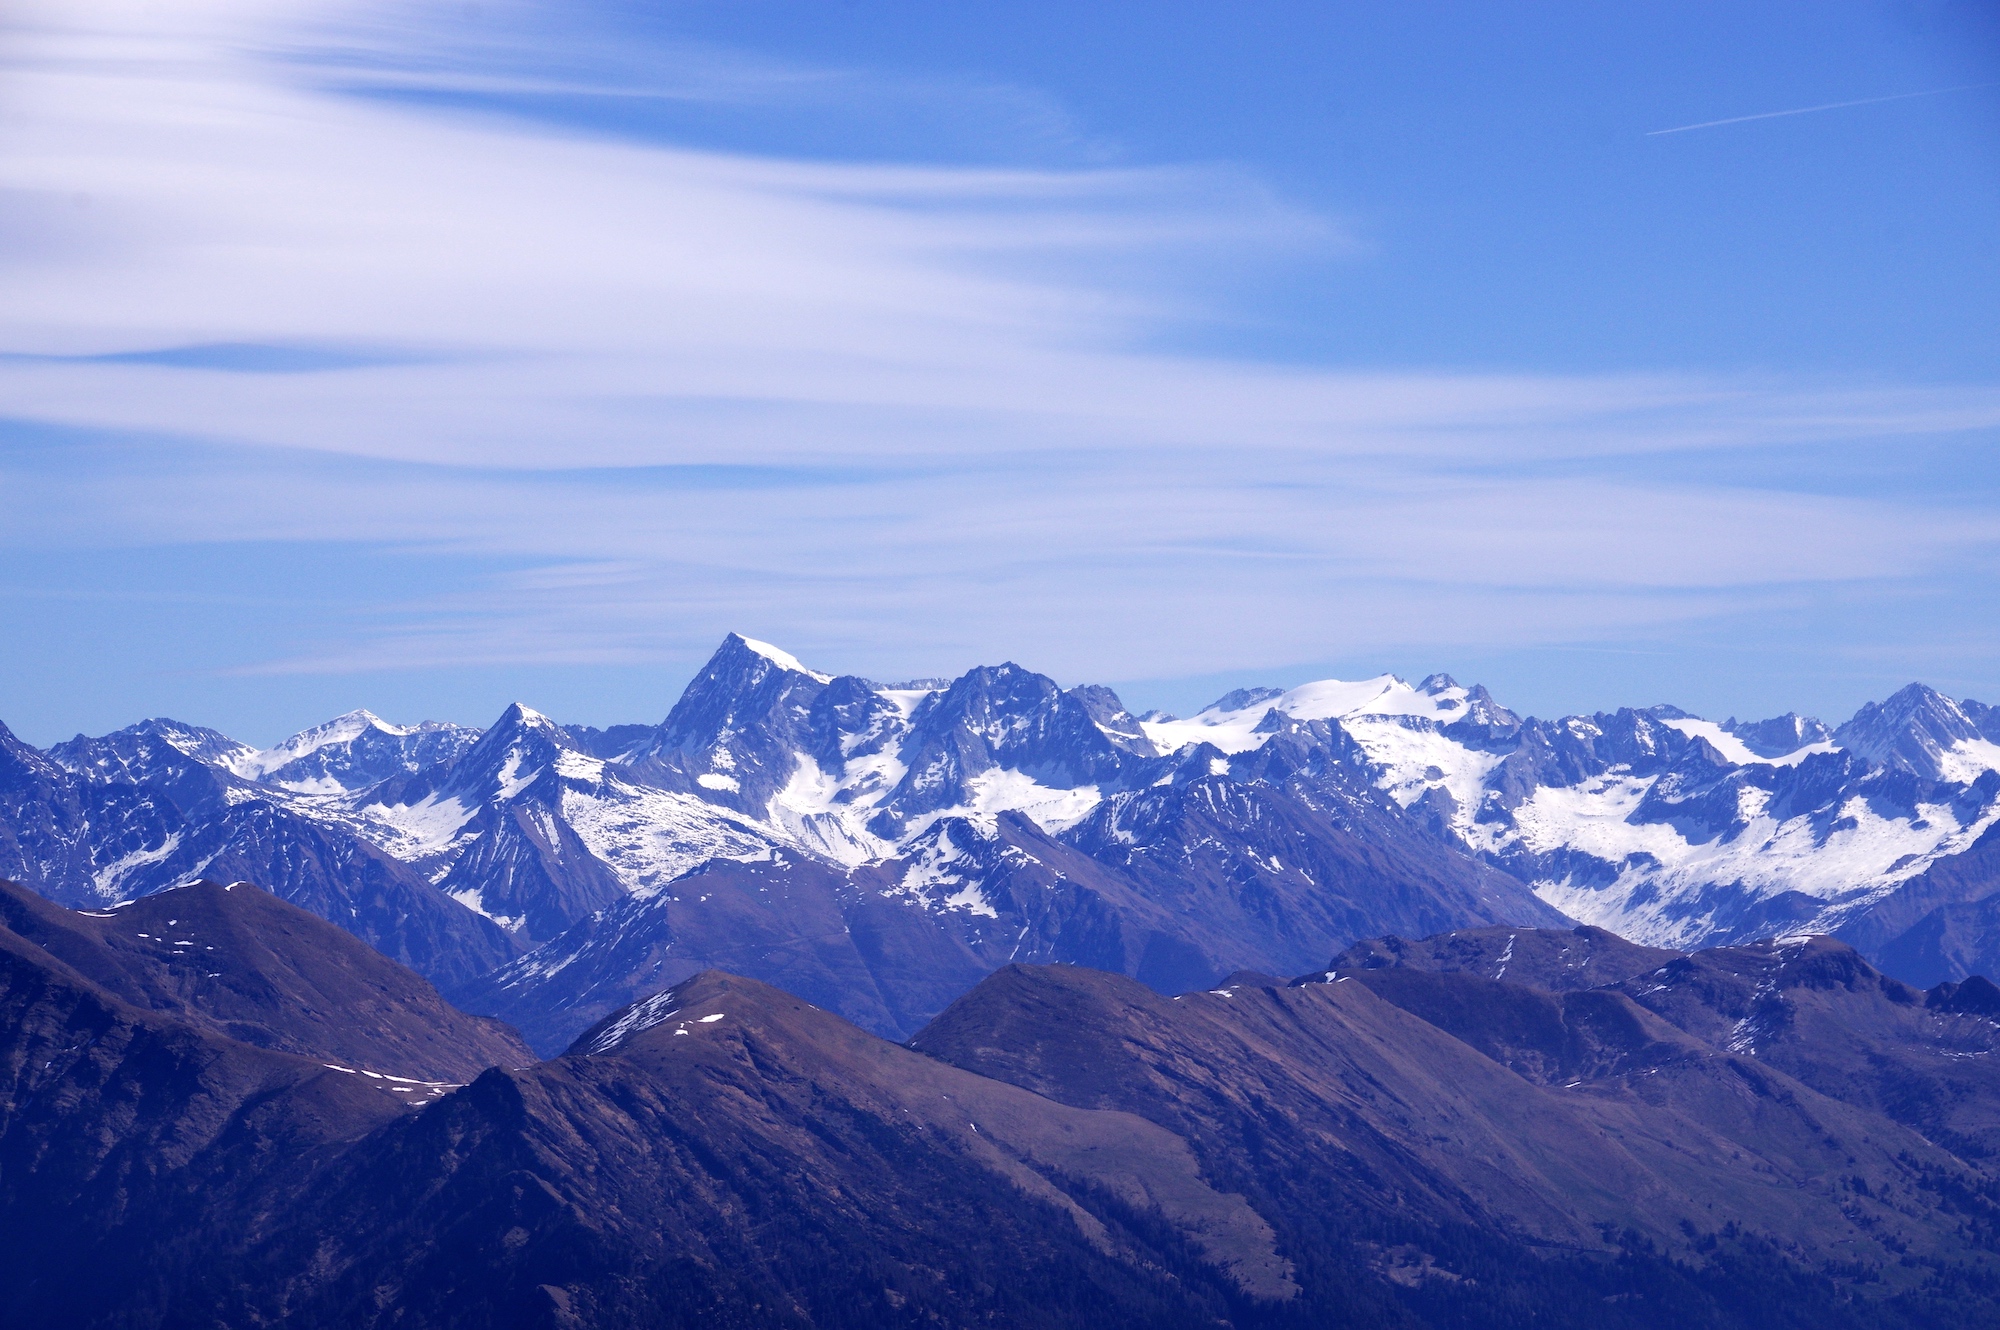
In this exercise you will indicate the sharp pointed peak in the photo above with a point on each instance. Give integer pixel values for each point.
(1909, 700)
(354, 723)
(520, 714)
(778, 656)
(344, 728)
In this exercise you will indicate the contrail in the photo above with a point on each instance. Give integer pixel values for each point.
(1808, 110)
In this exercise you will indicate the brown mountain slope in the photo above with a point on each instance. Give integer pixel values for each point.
(123, 1133)
(1548, 1038)
(722, 1154)
(258, 970)
(1816, 1010)
(1811, 1008)
(1556, 959)
(1601, 1041)
(1291, 1091)
(725, 1154)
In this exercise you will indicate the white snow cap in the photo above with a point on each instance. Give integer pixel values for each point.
(255, 765)
(782, 659)
(1328, 699)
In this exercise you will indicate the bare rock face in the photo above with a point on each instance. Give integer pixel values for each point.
(1911, 731)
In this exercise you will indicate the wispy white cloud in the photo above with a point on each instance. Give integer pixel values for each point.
(950, 426)
(1091, 565)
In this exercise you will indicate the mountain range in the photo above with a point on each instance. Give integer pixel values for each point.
(984, 1001)
(877, 848)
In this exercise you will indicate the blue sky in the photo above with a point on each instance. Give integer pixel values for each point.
(427, 357)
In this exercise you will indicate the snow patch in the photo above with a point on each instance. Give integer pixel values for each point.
(638, 1018)
(934, 881)
(512, 781)
(1736, 751)
(650, 837)
(828, 816)
(998, 791)
(107, 878)
(1969, 759)
(410, 832)
(572, 765)
(472, 899)
(1412, 760)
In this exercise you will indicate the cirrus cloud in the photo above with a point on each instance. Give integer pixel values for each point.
(261, 290)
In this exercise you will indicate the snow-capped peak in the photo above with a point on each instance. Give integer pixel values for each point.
(258, 763)
(784, 660)
(1918, 730)
(200, 744)
(1231, 722)
(520, 713)
(347, 753)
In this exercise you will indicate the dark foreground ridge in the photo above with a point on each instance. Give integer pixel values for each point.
(242, 963)
(1747, 1137)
